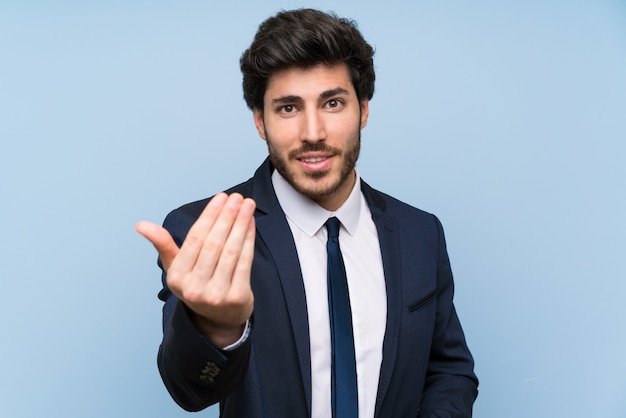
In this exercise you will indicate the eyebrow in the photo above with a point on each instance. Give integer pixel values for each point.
(333, 92)
(287, 99)
(297, 99)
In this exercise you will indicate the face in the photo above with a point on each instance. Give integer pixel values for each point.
(312, 121)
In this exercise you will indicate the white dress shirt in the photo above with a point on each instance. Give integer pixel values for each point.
(358, 240)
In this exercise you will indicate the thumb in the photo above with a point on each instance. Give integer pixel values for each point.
(161, 239)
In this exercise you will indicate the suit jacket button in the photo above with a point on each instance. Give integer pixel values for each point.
(210, 371)
(207, 379)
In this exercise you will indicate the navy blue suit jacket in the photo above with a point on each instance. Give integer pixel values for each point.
(427, 369)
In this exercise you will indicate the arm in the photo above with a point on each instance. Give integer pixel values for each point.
(451, 385)
(208, 299)
(195, 372)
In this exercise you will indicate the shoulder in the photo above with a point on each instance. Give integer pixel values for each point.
(413, 224)
(383, 203)
(414, 227)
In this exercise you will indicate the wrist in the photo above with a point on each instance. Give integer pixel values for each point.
(219, 335)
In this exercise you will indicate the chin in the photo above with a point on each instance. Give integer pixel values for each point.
(320, 187)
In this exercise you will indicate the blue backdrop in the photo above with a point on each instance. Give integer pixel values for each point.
(506, 119)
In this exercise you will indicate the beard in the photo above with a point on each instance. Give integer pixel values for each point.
(319, 189)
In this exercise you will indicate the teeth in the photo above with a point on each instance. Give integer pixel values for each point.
(313, 160)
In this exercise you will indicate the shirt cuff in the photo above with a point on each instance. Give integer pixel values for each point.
(241, 340)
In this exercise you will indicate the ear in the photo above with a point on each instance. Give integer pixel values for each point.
(365, 111)
(259, 123)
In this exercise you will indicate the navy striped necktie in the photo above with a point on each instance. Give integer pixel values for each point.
(343, 367)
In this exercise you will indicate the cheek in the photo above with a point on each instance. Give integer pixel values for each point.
(277, 141)
(281, 133)
(344, 130)
(345, 123)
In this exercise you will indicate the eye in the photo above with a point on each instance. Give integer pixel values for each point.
(287, 109)
(334, 104)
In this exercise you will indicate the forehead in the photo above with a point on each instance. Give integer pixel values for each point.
(308, 82)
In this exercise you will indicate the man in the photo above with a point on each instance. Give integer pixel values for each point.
(247, 297)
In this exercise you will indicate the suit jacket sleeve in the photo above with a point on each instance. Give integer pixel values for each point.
(451, 385)
(195, 372)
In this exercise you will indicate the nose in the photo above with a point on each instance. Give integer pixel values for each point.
(313, 127)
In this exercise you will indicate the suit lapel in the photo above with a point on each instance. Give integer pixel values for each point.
(390, 249)
(275, 232)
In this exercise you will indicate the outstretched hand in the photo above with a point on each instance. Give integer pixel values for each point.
(210, 272)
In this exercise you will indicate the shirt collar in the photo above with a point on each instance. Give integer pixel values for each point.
(308, 215)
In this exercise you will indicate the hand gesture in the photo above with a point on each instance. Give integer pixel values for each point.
(210, 272)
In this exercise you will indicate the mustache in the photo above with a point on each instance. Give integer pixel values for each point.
(314, 147)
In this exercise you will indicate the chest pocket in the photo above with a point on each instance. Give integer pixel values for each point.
(420, 303)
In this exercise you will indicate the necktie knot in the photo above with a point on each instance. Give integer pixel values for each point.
(332, 225)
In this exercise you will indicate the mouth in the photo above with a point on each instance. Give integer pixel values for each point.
(312, 159)
(315, 162)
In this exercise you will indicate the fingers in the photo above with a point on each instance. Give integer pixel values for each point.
(219, 244)
(241, 275)
(204, 267)
(237, 242)
(198, 233)
(161, 239)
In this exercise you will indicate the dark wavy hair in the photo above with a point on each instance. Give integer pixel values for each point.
(304, 38)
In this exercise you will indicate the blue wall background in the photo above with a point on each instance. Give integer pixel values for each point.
(505, 118)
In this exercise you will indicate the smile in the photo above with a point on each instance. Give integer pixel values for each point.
(313, 159)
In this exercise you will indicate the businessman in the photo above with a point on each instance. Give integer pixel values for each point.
(304, 292)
